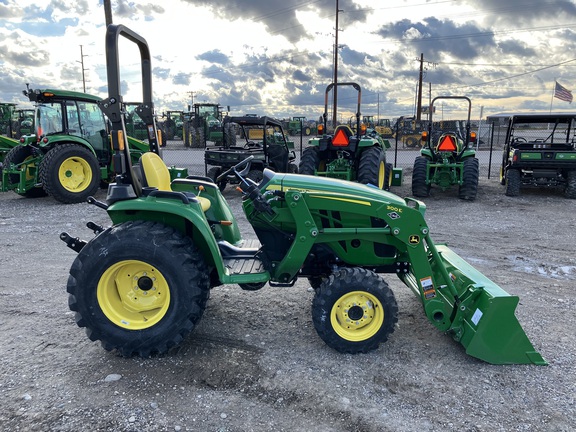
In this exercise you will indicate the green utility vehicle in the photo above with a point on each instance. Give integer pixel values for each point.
(447, 158)
(205, 125)
(344, 154)
(265, 141)
(539, 151)
(171, 242)
(68, 156)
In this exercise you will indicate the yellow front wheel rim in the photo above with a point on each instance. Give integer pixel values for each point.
(133, 295)
(75, 174)
(357, 316)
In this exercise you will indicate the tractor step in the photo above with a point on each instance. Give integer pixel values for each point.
(238, 266)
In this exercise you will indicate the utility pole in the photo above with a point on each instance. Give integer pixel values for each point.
(83, 69)
(191, 93)
(419, 101)
(335, 103)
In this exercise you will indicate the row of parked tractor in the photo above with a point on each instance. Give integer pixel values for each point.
(64, 146)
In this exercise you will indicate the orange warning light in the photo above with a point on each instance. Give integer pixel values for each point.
(340, 139)
(447, 144)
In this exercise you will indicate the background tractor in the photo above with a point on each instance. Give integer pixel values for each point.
(205, 125)
(345, 154)
(408, 130)
(540, 152)
(384, 128)
(300, 124)
(265, 141)
(171, 125)
(69, 155)
(171, 242)
(447, 157)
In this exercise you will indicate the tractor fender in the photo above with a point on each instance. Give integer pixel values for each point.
(187, 218)
(56, 140)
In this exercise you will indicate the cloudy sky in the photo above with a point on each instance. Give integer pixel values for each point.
(275, 57)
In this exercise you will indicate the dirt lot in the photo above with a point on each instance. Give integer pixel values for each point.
(255, 363)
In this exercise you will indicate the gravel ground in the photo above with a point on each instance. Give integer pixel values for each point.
(255, 362)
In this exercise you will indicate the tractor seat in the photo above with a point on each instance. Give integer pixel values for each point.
(155, 174)
(347, 130)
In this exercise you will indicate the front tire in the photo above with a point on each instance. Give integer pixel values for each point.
(354, 311)
(213, 173)
(17, 155)
(136, 298)
(70, 173)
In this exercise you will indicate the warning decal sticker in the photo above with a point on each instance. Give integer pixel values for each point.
(428, 288)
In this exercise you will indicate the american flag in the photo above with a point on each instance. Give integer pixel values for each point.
(562, 93)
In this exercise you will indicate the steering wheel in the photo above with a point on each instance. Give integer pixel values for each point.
(252, 144)
(520, 140)
(234, 169)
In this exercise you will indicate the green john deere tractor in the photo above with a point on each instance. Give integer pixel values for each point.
(205, 125)
(68, 156)
(171, 242)
(345, 154)
(447, 158)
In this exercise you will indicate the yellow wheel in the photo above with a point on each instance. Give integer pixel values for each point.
(139, 287)
(70, 173)
(133, 294)
(381, 175)
(75, 174)
(357, 316)
(354, 310)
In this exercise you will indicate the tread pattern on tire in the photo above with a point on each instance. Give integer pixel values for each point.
(189, 285)
(369, 166)
(419, 186)
(469, 188)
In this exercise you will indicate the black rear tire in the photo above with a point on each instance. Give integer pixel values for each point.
(469, 188)
(570, 191)
(70, 173)
(133, 298)
(309, 161)
(354, 310)
(372, 167)
(420, 188)
(513, 181)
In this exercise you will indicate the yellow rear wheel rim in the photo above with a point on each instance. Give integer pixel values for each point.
(75, 174)
(381, 175)
(133, 295)
(357, 316)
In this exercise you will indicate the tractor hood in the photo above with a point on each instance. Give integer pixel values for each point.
(346, 190)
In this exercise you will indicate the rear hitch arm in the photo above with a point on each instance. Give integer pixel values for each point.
(73, 243)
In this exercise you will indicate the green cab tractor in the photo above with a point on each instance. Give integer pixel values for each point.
(447, 158)
(347, 154)
(205, 125)
(299, 125)
(171, 242)
(68, 156)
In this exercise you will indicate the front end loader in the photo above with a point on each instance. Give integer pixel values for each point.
(171, 242)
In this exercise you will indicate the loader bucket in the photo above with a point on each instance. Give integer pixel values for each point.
(483, 320)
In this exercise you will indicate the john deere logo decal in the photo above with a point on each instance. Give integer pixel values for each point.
(414, 239)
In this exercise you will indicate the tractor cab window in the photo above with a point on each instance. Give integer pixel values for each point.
(93, 125)
(49, 119)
